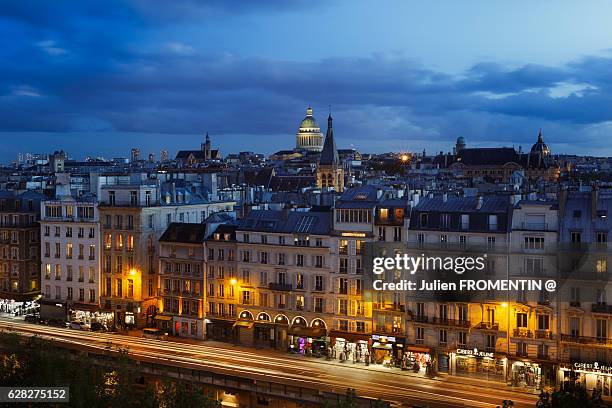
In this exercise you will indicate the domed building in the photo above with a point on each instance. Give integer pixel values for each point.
(309, 136)
(539, 148)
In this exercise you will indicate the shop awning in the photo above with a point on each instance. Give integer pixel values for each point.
(243, 323)
(383, 346)
(301, 331)
(163, 318)
(350, 337)
(85, 307)
(419, 349)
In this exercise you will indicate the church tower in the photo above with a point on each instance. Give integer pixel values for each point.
(206, 148)
(330, 173)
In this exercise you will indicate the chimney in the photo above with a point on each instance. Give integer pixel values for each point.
(444, 197)
(479, 202)
(415, 198)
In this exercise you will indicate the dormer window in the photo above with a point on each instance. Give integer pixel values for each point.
(383, 213)
(217, 237)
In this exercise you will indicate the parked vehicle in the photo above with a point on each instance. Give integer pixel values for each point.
(78, 326)
(97, 327)
(32, 318)
(153, 333)
(56, 323)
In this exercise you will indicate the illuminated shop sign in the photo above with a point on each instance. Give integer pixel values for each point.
(594, 367)
(475, 352)
(383, 339)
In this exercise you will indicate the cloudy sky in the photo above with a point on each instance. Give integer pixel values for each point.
(97, 78)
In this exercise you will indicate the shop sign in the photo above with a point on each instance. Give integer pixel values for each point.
(475, 352)
(383, 339)
(594, 367)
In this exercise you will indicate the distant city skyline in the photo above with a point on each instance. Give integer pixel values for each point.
(97, 79)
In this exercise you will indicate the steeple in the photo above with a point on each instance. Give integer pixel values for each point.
(329, 155)
(540, 136)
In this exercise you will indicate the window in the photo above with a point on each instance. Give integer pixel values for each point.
(118, 287)
(442, 335)
(491, 339)
(465, 221)
(462, 339)
(343, 307)
(574, 326)
(534, 243)
(246, 297)
(424, 219)
(299, 260)
(601, 329)
(492, 222)
(281, 258)
(318, 263)
(299, 281)
(543, 322)
(576, 237)
(343, 249)
(263, 278)
(601, 266)
(445, 220)
(299, 302)
(343, 286)
(521, 320)
(360, 327)
(318, 305)
(319, 283)
(420, 335)
(246, 276)
(343, 265)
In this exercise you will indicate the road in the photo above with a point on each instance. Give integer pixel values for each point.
(267, 365)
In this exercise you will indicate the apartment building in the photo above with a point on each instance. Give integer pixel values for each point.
(585, 345)
(284, 279)
(19, 250)
(70, 253)
(535, 316)
(443, 332)
(221, 283)
(353, 335)
(134, 213)
(181, 270)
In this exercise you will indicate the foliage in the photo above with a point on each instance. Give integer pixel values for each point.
(113, 381)
(570, 396)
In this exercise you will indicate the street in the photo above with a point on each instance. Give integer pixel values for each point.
(393, 386)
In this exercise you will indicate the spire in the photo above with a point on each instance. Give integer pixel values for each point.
(329, 155)
(540, 136)
(207, 137)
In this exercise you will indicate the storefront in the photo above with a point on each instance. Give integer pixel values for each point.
(88, 314)
(477, 364)
(349, 346)
(307, 340)
(219, 329)
(591, 376)
(188, 327)
(526, 374)
(14, 308)
(417, 359)
(387, 350)
(164, 323)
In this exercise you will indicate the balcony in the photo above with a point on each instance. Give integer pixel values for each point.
(521, 353)
(574, 304)
(389, 307)
(522, 333)
(451, 322)
(544, 334)
(488, 326)
(285, 287)
(420, 319)
(534, 226)
(601, 308)
(568, 338)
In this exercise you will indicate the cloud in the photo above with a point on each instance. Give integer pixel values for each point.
(51, 48)
(120, 73)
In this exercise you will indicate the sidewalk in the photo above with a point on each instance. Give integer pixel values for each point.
(475, 382)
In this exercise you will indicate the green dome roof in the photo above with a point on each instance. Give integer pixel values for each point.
(309, 121)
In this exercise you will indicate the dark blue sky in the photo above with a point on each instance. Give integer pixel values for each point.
(97, 78)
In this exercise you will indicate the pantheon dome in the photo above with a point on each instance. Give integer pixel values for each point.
(309, 134)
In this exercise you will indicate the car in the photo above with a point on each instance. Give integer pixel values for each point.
(78, 326)
(153, 333)
(32, 318)
(97, 327)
